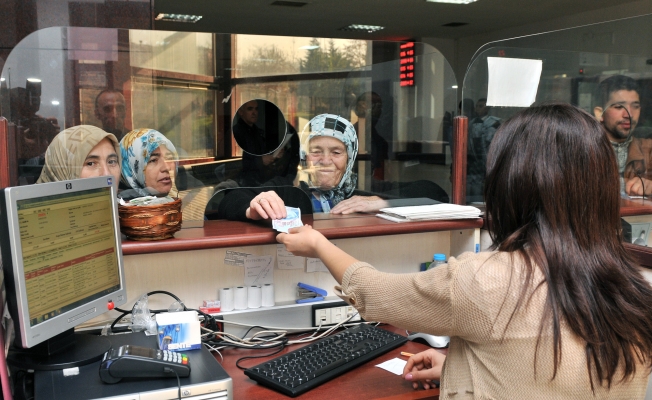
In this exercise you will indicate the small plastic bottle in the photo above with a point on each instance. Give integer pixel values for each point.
(437, 259)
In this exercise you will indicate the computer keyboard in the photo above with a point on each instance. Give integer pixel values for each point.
(297, 372)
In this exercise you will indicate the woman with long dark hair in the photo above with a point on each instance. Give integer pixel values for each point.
(556, 309)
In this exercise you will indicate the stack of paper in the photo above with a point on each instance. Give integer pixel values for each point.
(430, 212)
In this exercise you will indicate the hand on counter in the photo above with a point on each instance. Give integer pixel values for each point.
(359, 204)
(424, 368)
(634, 186)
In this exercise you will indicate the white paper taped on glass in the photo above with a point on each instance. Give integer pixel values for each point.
(513, 82)
(430, 212)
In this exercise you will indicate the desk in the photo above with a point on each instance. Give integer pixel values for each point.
(364, 382)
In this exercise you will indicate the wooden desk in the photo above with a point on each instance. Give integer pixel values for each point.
(364, 382)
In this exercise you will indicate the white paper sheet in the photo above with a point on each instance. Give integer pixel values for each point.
(395, 366)
(235, 258)
(258, 270)
(315, 265)
(513, 82)
(286, 260)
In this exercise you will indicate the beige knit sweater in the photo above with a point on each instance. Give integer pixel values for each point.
(471, 299)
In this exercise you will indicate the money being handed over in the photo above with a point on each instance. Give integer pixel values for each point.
(293, 220)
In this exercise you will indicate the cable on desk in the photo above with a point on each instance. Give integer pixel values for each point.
(259, 342)
(208, 320)
(168, 370)
(237, 363)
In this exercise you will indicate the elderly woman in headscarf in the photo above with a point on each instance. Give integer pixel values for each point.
(148, 164)
(83, 151)
(328, 150)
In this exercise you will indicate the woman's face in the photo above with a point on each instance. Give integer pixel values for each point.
(327, 161)
(101, 161)
(157, 171)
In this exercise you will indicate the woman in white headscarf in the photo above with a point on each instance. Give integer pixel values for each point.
(328, 150)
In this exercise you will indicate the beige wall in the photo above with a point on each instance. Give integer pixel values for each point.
(197, 275)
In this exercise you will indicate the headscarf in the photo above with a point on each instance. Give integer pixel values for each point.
(334, 126)
(65, 156)
(136, 148)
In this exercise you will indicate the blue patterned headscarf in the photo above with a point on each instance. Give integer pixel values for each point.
(334, 126)
(136, 148)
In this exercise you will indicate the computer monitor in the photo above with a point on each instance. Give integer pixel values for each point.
(62, 263)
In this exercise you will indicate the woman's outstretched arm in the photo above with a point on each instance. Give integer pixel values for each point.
(307, 242)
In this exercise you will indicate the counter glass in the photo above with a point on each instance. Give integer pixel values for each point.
(399, 96)
(573, 63)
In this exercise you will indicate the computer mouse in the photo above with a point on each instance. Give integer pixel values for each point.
(431, 340)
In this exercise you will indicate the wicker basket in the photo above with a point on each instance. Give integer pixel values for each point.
(154, 222)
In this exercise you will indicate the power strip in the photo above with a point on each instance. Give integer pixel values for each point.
(333, 313)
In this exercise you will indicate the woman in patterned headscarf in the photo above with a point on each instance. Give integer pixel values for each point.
(82, 151)
(147, 159)
(328, 151)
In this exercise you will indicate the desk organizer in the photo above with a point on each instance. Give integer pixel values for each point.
(153, 222)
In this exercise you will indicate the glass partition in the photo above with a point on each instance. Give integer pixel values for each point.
(583, 66)
(399, 97)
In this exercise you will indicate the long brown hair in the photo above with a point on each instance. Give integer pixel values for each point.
(552, 196)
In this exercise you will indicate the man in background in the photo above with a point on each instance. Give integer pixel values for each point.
(482, 129)
(618, 108)
(369, 105)
(110, 109)
(247, 134)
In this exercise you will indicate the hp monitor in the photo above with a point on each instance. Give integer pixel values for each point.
(62, 263)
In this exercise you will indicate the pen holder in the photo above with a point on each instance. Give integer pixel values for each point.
(155, 222)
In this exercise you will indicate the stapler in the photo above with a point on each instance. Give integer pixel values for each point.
(308, 294)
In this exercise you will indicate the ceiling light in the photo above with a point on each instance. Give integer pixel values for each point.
(451, 1)
(289, 3)
(55, 102)
(178, 17)
(365, 28)
(308, 47)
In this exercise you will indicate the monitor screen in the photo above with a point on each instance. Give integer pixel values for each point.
(62, 257)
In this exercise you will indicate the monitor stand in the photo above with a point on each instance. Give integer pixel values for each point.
(66, 350)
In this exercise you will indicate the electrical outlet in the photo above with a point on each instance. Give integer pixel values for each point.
(333, 313)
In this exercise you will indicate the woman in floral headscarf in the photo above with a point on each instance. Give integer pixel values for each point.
(328, 150)
(148, 158)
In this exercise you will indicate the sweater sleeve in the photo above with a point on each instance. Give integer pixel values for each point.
(415, 301)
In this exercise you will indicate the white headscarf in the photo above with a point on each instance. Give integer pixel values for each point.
(334, 126)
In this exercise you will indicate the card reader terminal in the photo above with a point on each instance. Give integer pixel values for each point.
(142, 362)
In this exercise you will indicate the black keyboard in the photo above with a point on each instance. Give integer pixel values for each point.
(297, 372)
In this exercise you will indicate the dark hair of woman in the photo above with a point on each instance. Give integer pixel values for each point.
(552, 197)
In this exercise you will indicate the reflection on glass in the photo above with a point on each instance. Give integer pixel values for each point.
(259, 127)
(482, 127)
(597, 68)
(183, 115)
(188, 86)
(281, 55)
(185, 52)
